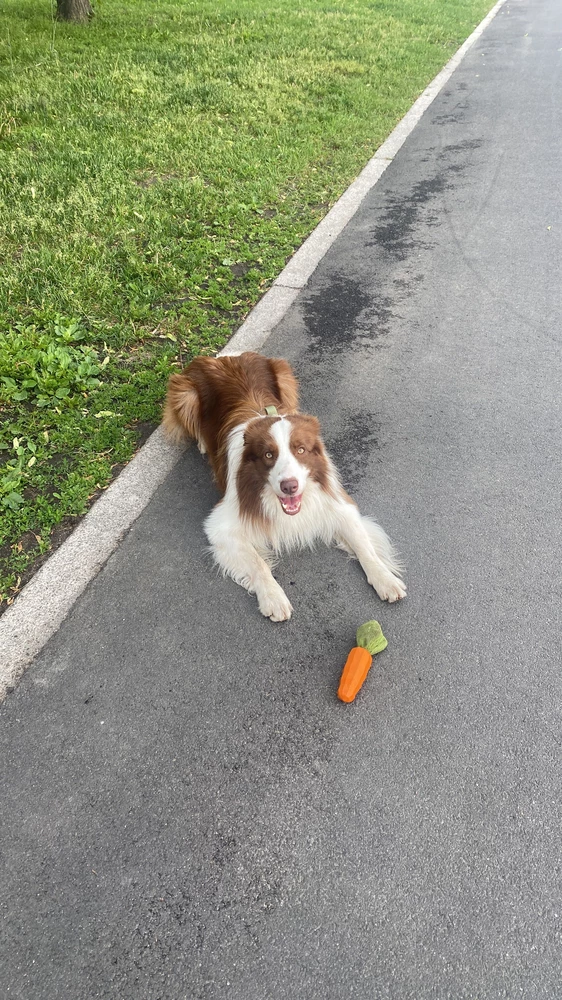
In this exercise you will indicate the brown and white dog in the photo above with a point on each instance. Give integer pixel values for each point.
(281, 489)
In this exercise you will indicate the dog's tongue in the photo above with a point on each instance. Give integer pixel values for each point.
(291, 505)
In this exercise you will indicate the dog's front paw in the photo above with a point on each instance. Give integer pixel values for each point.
(275, 604)
(389, 587)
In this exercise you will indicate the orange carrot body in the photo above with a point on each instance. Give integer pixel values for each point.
(354, 673)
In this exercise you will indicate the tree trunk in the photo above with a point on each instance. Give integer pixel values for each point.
(79, 11)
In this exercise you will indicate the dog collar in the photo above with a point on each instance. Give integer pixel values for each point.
(271, 411)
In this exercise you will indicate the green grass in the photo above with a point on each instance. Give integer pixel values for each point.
(157, 169)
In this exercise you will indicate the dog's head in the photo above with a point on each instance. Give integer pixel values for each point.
(280, 454)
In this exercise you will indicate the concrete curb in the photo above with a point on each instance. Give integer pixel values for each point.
(46, 600)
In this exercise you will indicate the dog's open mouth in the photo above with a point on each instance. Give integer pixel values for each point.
(291, 505)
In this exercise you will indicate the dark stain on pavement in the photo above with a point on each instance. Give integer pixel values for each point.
(453, 117)
(396, 232)
(332, 313)
(462, 147)
(343, 315)
(352, 448)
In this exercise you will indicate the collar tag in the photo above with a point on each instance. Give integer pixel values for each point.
(271, 411)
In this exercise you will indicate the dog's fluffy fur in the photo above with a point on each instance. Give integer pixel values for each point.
(280, 487)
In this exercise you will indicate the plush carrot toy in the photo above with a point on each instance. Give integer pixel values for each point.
(370, 640)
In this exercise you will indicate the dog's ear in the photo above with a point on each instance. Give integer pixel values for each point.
(307, 431)
(287, 385)
(310, 424)
(315, 429)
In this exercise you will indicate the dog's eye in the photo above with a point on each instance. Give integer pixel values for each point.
(269, 454)
(300, 451)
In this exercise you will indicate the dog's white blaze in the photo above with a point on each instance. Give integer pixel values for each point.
(286, 466)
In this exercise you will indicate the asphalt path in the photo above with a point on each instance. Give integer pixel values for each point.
(188, 812)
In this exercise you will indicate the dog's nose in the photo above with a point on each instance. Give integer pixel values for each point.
(289, 486)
